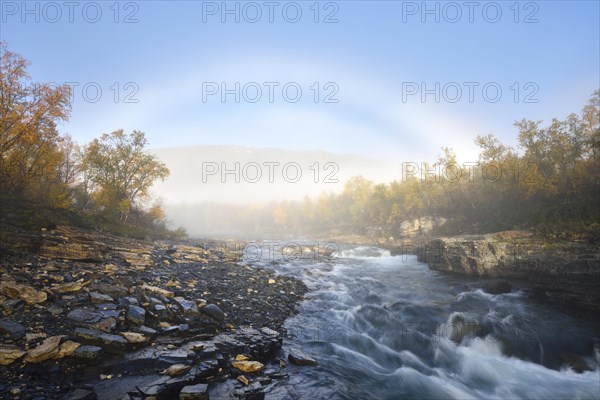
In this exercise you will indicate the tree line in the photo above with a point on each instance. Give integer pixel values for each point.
(107, 179)
(550, 183)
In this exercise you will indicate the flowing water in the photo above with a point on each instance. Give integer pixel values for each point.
(386, 327)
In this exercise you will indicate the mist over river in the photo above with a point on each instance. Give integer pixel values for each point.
(387, 327)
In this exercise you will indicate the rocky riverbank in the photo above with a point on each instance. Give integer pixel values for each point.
(560, 272)
(85, 316)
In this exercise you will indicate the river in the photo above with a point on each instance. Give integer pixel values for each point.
(387, 327)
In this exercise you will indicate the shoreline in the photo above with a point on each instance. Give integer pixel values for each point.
(86, 315)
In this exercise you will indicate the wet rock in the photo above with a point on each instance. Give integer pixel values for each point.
(82, 316)
(252, 392)
(136, 315)
(575, 362)
(208, 350)
(298, 357)
(269, 332)
(113, 344)
(98, 298)
(9, 354)
(176, 370)
(459, 327)
(248, 366)
(12, 328)
(194, 392)
(82, 394)
(45, 351)
(186, 306)
(495, 288)
(213, 311)
(559, 271)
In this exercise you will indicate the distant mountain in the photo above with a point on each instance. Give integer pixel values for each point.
(241, 175)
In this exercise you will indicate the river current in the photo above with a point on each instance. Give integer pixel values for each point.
(387, 327)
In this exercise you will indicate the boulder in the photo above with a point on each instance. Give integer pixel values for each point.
(213, 311)
(298, 357)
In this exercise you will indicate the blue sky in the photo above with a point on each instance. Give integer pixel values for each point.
(371, 57)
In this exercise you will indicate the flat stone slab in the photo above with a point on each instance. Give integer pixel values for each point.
(194, 392)
(113, 344)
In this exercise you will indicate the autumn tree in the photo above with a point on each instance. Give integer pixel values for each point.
(122, 170)
(29, 112)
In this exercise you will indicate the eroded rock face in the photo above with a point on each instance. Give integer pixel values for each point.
(564, 272)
